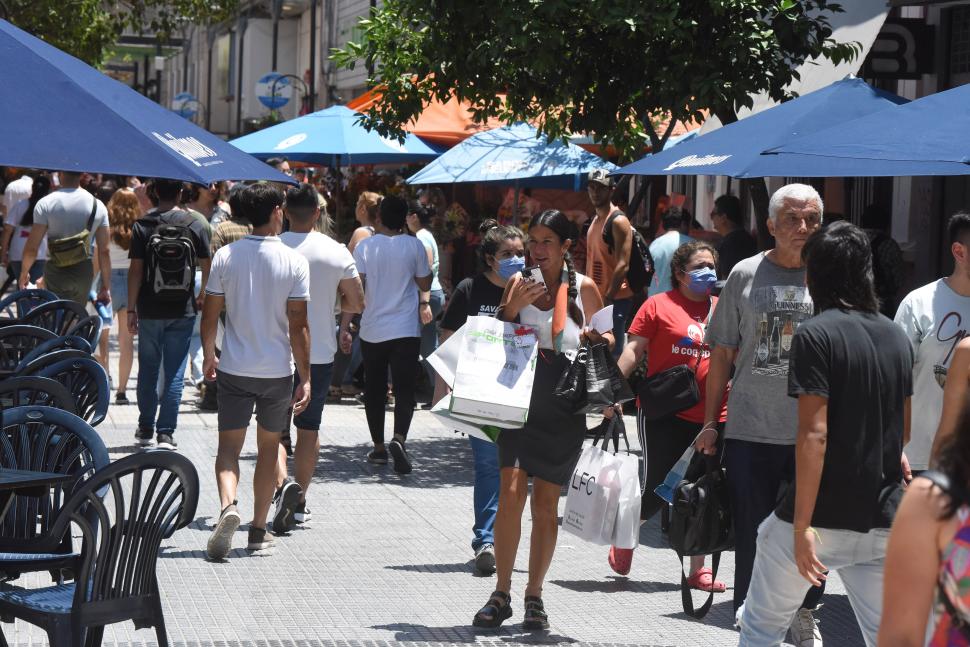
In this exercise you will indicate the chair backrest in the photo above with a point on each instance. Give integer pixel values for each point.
(87, 382)
(88, 329)
(124, 512)
(36, 365)
(45, 439)
(32, 390)
(18, 304)
(57, 316)
(17, 341)
(63, 342)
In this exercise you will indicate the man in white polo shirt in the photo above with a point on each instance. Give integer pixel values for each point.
(264, 286)
(333, 282)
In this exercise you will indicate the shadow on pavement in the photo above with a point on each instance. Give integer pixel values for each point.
(616, 584)
(460, 634)
(464, 567)
(438, 462)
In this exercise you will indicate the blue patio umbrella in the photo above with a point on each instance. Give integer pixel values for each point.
(735, 150)
(515, 156)
(930, 129)
(332, 137)
(59, 113)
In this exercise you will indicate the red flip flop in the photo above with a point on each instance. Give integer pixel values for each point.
(703, 580)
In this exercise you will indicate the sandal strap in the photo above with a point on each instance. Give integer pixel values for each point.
(534, 606)
(496, 602)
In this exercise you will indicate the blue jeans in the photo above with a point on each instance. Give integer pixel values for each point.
(777, 588)
(429, 332)
(485, 491)
(163, 346)
(621, 313)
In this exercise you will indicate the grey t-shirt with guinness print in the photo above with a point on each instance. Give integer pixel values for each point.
(761, 306)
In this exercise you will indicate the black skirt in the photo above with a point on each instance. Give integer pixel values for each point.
(549, 444)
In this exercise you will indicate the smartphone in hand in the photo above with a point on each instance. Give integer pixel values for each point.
(533, 274)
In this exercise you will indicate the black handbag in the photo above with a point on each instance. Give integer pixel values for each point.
(673, 390)
(571, 386)
(701, 524)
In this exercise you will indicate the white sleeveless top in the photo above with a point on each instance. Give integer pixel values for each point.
(542, 321)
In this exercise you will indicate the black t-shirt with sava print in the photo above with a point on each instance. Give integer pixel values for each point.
(472, 298)
(863, 365)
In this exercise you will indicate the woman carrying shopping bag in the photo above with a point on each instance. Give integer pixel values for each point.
(503, 253)
(669, 329)
(547, 447)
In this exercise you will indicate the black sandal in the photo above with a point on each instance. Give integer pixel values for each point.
(535, 614)
(495, 612)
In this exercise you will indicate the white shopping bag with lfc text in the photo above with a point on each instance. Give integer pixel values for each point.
(594, 496)
(626, 531)
(496, 368)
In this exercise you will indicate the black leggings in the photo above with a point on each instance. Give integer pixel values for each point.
(401, 355)
(663, 442)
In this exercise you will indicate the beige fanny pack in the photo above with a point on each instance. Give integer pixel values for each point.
(71, 250)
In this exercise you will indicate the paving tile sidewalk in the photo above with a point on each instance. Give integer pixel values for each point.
(387, 560)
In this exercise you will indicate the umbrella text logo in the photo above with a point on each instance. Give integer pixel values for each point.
(694, 160)
(188, 147)
(290, 142)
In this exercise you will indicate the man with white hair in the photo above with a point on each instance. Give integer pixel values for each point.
(763, 301)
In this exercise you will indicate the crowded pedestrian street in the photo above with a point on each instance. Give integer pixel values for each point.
(386, 561)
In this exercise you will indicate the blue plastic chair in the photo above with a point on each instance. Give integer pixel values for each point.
(43, 439)
(58, 343)
(17, 341)
(148, 497)
(18, 304)
(87, 382)
(57, 316)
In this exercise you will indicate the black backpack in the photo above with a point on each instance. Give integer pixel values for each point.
(170, 260)
(641, 269)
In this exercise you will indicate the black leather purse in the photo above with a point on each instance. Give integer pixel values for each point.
(673, 390)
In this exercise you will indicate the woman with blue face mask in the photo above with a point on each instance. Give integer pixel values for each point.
(669, 330)
(503, 255)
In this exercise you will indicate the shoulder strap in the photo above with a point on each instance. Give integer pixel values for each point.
(94, 212)
(608, 227)
(937, 478)
(685, 595)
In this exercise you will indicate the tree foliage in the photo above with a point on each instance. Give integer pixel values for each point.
(88, 28)
(614, 69)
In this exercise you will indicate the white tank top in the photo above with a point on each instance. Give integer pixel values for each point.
(542, 321)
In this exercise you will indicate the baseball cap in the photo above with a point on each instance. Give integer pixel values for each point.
(600, 176)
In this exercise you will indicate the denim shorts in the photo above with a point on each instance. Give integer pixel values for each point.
(311, 417)
(119, 289)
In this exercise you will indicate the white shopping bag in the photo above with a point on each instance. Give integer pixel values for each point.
(496, 369)
(626, 532)
(444, 360)
(450, 420)
(594, 496)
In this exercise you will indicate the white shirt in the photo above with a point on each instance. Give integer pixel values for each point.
(542, 321)
(935, 319)
(257, 275)
(66, 213)
(119, 256)
(330, 263)
(20, 234)
(16, 191)
(389, 265)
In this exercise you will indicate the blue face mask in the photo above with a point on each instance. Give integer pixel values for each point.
(702, 280)
(509, 267)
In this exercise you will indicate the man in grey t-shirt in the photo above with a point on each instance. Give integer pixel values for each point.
(763, 302)
(64, 213)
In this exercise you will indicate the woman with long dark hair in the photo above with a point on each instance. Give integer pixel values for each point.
(547, 447)
(16, 230)
(503, 255)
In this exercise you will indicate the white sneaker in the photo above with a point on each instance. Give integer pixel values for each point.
(804, 629)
